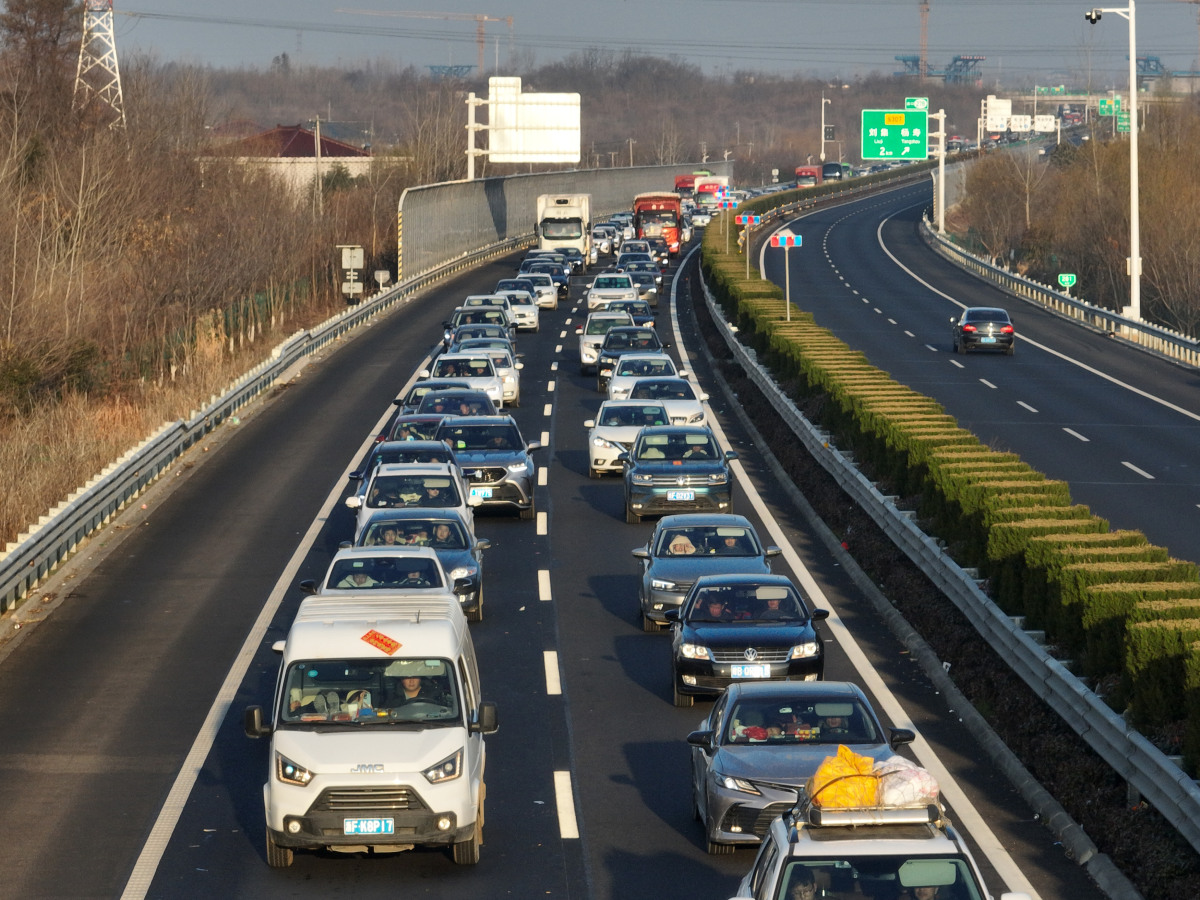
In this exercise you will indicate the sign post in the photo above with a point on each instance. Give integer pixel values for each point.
(1067, 281)
(747, 222)
(787, 240)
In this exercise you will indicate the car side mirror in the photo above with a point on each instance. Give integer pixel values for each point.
(345, 545)
(424, 373)
(307, 586)
(484, 543)
(700, 739)
(579, 329)
(354, 501)
(623, 458)
(900, 737)
(399, 401)
(641, 553)
(589, 423)
(485, 719)
(252, 722)
(703, 397)
(474, 500)
(671, 615)
(534, 445)
(819, 615)
(773, 551)
(519, 365)
(730, 454)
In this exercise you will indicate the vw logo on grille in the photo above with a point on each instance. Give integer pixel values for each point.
(751, 654)
(681, 480)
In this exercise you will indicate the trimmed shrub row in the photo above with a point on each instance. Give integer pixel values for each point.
(1124, 612)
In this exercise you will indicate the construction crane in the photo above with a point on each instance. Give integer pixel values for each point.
(479, 19)
(924, 71)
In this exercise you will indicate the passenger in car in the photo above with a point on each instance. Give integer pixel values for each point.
(359, 578)
(803, 885)
(681, 545)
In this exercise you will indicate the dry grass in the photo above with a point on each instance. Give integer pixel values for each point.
(58, 448)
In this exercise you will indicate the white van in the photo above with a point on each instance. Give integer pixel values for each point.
(376, 730)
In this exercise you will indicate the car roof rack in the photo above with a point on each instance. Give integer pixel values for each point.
(805, 812)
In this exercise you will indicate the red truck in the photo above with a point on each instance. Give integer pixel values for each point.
(657, 215)
(808, 176)
(684, 185)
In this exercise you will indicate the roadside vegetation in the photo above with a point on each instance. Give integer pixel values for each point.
(1070, 213)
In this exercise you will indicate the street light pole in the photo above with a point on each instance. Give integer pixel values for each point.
(823, 102)
(631, 143)
(1134, 310)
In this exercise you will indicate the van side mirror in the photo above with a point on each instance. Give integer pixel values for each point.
(307, 586)
(901, 736)
(252, 722)
(485, 719)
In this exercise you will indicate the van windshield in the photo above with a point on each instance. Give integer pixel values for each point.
(371, 692)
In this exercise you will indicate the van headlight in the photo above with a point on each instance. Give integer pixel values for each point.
(695, 651)
(447, 770)
(290, 773)
(521, 468)
(718, 478)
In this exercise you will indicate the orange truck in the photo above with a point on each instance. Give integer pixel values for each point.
(684, 184)
(808, 176)
(657, 215)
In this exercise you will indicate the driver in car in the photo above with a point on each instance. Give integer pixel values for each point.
(413, 690)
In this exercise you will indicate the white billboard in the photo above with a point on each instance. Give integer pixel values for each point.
(1045, 124)
(996, 113)
(1020, 124)
(531, 128)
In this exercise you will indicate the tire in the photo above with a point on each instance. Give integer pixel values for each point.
(278, 857)
(466, 853)
(649, 625)
(631, 518)
(715, 849)
(960, 348)
(683, 701)
(1010, 349)
(530, 513)
(594, 473)
(477, 614)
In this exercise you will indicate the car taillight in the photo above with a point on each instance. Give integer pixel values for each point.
(969, 328)
(1007, 329)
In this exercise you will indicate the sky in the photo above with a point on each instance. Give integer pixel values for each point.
(1046, 42)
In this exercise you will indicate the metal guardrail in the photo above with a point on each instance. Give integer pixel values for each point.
(36, 553)
(1145, 768)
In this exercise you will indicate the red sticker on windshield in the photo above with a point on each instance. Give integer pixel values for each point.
(381, 642)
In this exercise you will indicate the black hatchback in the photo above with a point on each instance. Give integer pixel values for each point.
(983, 328)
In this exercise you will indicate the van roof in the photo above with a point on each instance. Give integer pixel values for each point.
(358, 626)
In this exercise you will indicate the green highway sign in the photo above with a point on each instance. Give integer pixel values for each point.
(1067, 279)
(895, 134)
(916, 103)
(1122, 121)
(1110, 107)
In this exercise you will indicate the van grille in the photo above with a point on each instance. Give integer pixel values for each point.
(383, 798)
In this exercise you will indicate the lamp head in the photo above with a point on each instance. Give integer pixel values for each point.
(1092, 15)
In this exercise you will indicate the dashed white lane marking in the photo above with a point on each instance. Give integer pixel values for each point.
(543, 477)
(544, 594)
(547, 409)
(541, 523)
(553, 678)
(545, 439)
(550, 386)
(558, 349)
(554, 366)
(1077, 435)
(1134, 468)
(564, 799)
(1026, 406)
(561, 335)
(987, 383)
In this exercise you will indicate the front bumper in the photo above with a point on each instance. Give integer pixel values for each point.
(702, 678)
(652, 499)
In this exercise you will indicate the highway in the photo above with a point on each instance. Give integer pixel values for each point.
(132, 777)
(1120, 425)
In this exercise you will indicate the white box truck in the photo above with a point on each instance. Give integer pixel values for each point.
(564, 221)
(376, 729)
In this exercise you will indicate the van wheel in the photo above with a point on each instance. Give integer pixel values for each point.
(466, 853)
(477, 614)
(278, 857)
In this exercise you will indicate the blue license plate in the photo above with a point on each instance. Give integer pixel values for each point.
(681, 495)
(484, 493)
(987, 340)
(369, 826)
(749, 671)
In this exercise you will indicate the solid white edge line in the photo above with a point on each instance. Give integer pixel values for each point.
(146, 866)
(968, 816)
(553, 676)
(544, 594)
(564, 801)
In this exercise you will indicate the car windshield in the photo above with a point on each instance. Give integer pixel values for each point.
(402, 454)
(407, 429)
(677, 447)
(630, 416)
(481, 437)
(792, 720)
(413, 490)
(612, 281)
(474, 367)
(602, 326)
(642, 339)
(662, 390)
(384, 573)
(641, 368)
(882, 875)
(466, 332)
(446, 403)
(745, 603)
(370, 692)
(633, 307)
(721, 540)
(441, 534)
